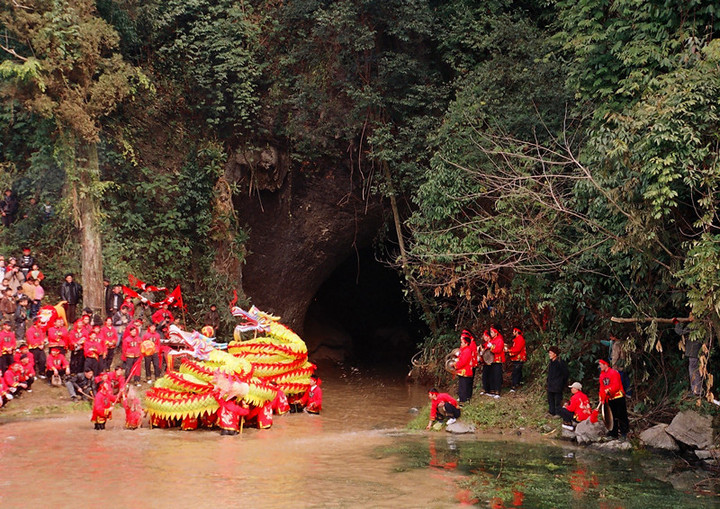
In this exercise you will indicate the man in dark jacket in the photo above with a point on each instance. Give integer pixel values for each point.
(82, 385)
(8, 208)
(557, 379)
(71, 292)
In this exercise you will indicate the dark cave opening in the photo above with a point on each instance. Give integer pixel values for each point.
(360, 315)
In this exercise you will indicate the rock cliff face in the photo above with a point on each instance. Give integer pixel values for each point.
(303, 222)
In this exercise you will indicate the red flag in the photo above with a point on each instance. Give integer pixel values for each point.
(144, 286)
(175, 298)
(132, 293)
(235, 299)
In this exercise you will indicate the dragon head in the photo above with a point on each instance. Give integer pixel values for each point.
(253, 320)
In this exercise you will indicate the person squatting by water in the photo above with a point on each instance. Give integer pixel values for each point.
(442, 406)
(577, 409)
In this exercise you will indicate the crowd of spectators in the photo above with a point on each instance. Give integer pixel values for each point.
(77, 352)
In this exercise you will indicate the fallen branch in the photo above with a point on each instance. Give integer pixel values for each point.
(649, 319)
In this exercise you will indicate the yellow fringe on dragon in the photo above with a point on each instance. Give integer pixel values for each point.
(170, 404)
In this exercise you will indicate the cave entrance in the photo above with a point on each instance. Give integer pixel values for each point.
(360, 315)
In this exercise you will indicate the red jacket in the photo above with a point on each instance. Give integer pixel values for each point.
(312, 399)
(12, 377)
(8, 343)
(474, 352)
(133, 413)
(229, 414)
(58, 336)
(35, 337)
(280, 404)
(93, 348)
(263, 414)
(497, 346)
(102, 406)
(517, 352)
(28, 369)
(610, 385)
(442, 397)
(58, 362)
(162, 314)
(580, 406)
(76, 339)
(109, 335)
(131, 348)
(463, 364)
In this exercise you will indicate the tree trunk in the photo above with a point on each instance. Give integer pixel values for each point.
(88, 222)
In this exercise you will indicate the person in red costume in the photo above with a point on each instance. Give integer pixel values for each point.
(262, 416)
(229, 414)
(102, 406)
(150, 348)
(131, 353)
(312, 399)
(497, 346)
(109, 335)
(92, 350)
(133, 410)
(14, 379)
(28, 371)
(442, 405)
(518, 355)
(57, 364)
(76, 342)
(280, 404)
(8, 343)
(464, 368)
(577, 409)
(36, 339)
(162, 316)
(58, 336)
(611, 394)
(485, 345)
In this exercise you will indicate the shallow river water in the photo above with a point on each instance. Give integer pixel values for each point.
(356, 454)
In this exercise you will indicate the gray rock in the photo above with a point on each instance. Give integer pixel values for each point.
(614, 445)
(705, 454)
(693, 429)
(567, 434)
(657, 438)
(459, 428)
(587, 432)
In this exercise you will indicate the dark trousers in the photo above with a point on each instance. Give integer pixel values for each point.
(496, 377)
(40, 359)
(567, 415)
(77, 361)
(621, 423)
(94, 364)
(70, 312)
(448, 410)
(465, 386)
(554, 402)
(129, 363)
(109, 359)
(5, 361)
(517, 374)
(155, 362)
(486, 378)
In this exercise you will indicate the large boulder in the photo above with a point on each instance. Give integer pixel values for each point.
(692, 429)
(587, 432)
(657, 438)
(614, 445)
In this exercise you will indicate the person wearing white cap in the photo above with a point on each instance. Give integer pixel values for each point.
(577, 409)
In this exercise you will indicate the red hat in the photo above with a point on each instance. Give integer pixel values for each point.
(467, 335)
(603, 361)
(517, 330)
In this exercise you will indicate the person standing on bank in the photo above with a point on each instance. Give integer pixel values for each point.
(611, 393)
(464, 368)
(557, 379)
(518, 356)
(71, 292)
(497, 347)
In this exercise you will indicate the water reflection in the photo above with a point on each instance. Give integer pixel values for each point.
(512, 474)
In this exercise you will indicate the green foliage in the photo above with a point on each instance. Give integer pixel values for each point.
(212, 50)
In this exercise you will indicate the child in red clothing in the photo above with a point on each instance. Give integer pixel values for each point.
(312, 399)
